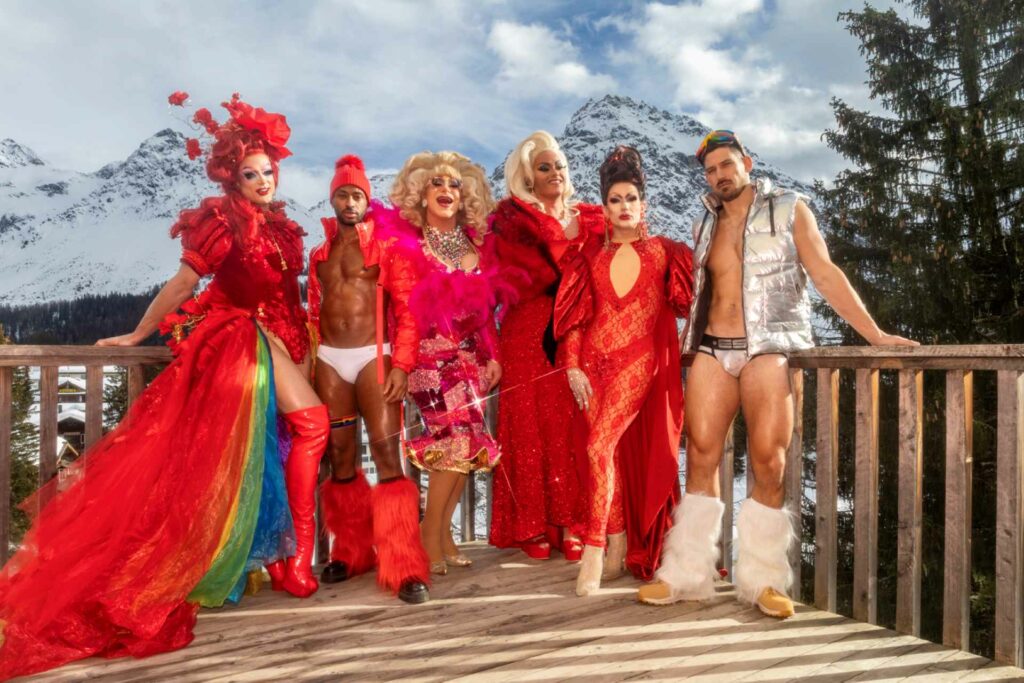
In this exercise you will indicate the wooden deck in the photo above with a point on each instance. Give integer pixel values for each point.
(512, 619)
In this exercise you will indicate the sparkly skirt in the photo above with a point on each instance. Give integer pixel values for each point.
(446, 386)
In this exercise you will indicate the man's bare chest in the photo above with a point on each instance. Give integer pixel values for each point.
(345, 264)
(725, 255)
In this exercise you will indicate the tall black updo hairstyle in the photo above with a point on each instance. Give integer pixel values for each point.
(622, 165)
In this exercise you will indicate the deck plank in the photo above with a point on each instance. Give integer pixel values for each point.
(513, 619)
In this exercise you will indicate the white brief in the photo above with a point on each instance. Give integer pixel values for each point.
(349, 362)
(730, 352)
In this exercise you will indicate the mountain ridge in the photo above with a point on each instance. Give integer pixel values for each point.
(67, 233)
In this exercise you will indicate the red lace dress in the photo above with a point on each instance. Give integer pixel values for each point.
(170, 510)
(537, 483)
(629, 349)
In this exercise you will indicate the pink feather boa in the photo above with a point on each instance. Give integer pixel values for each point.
(452, 302)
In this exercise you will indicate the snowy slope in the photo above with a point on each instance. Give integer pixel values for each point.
(64, 233)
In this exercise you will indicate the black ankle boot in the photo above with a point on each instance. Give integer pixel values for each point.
(334, 572)
(414, 592)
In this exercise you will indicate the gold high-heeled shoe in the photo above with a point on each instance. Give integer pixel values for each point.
(458, 560)
(440, 567)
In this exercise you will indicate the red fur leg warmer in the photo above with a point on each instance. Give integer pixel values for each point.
(349, 518)
(396, 533)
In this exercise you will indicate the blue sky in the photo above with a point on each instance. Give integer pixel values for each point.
(86, 82)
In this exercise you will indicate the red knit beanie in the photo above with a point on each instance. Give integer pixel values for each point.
(349, 170)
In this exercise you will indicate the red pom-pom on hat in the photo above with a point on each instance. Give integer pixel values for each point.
(350, 160)
(349, 170)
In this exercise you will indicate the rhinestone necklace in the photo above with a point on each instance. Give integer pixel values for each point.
(450, 246)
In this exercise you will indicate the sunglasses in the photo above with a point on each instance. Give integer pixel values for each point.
(717, 137)
(453, 183)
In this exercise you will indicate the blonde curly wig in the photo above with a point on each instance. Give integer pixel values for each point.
(519, 169)
(411, 182)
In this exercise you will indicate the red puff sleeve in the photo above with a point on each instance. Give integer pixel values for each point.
(679, 277)
(401, 279)
(206, 236)
(574, 305)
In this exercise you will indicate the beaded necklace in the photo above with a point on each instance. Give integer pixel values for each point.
(450, 245)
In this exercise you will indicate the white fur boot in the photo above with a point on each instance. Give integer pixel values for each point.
(762, 558)
(691, 548)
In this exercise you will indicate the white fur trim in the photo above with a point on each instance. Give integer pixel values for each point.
(762, 558)
(691, 548)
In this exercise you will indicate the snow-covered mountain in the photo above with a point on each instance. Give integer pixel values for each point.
(667, 142)
(64, 233)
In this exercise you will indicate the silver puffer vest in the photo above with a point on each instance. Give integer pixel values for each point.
(776, 306)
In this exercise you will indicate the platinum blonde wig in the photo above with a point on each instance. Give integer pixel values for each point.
(411, 183)
(519, 169)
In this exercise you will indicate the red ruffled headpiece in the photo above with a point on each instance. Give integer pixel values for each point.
(271, 129)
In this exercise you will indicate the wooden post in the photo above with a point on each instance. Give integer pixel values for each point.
(413, 427)
(468, 504)
(726, 470)
(956, 607)
(865, 506)
(1009, 617)
(93, 404)
(6, 414)
(794, 477)
(136, 383)
(908, 562)
(826, 487)
(47, 423)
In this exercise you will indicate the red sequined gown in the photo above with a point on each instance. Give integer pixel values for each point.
(160, 516)
(537, 483)
(628, 347)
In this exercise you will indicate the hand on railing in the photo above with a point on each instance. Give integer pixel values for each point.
(130, 339)
(886, 339)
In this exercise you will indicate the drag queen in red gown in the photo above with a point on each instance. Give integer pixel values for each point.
(536, 493)
(616, 311)
(172, 509)
(440, 220)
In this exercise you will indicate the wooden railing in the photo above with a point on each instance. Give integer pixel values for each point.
(959, 364)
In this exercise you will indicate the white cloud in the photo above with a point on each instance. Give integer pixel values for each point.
(535, 62)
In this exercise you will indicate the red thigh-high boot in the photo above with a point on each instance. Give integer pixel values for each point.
(402, 564)
(309, 428)
(349, 518)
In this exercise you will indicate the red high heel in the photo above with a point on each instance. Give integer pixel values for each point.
(537, 548)
(572, 548)
(276, 571)
(309, 428)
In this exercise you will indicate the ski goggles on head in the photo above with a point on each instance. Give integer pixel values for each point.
(716, 139)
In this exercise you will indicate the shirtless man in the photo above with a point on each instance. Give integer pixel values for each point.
(753, 250)
(351, 277)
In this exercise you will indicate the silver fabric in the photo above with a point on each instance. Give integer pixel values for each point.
(776, 305)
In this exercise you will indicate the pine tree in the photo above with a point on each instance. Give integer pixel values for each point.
(931, 219)
(24, 447)
(929, 225)
(115, 399)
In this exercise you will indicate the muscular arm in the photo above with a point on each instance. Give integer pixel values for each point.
(832, 283)
(167, 300)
